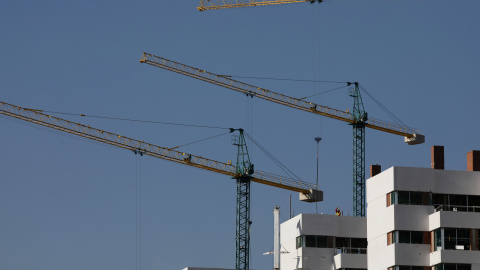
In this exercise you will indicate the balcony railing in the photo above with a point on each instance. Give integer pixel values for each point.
(455, 208)
(347, 250)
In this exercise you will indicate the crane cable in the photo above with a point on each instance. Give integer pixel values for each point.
(320, 93)
(201, 140)
(388, 112)
(273, 158)
(125, 119)
(134, 120)
(279, 79)
(316, 134)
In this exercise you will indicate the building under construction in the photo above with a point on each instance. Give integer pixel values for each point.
(417, 219)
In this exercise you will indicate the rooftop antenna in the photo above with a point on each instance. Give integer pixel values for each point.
(317, 139)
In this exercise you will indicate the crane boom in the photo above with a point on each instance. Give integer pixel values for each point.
(412, 136)
(221, 4)
(36, 117)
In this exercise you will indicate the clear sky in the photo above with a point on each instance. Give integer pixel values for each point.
(70, 204)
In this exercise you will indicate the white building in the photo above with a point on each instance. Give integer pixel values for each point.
(421, 218)
(311, 242)
(418, 219)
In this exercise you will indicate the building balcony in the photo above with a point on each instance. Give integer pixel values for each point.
(350, 258)
(453, 219)
(455, 256)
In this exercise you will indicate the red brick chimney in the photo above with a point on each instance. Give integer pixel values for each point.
(438, 161)
(473, 160)
(375, 169)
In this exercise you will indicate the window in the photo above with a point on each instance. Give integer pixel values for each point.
(453, 202)
(458, 202)
(438, 239)
(403, 197)
(299, 241)
(408, 198)
(394, 198)
(457, 238)
(445, 202)
(416, 198)
(417, 237)
(450, 238)
(408, 237)
(463, 239)
(404, 237)
(310, 241)
(342, 242)
(452, 266)
(323, 241)
(359, 243)
(439, 199)
(474, 203)
(408, 267)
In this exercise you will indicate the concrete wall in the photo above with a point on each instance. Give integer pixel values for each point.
(454, 256)
(380, 185)
(289, 230)
(412, 217)
(350, 261)
(380, 256)
(312, 224)
(341, 226)
(450, 219)
(437, 181)
(412, 254)
(380, 218)
(317, 258)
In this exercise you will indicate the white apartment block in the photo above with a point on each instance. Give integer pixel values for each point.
(425, 218)
(417, 219)
(311, 242)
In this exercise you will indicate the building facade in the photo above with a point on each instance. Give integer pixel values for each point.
(417, 219)
(424, 218)
(323, 242)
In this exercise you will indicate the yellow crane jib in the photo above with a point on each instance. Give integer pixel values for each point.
(222, 4)
(412, 136)
(308, 192)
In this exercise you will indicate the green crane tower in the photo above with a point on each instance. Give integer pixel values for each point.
(360, 117)
(244, 170)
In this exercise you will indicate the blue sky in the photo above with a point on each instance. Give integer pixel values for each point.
(68, 203)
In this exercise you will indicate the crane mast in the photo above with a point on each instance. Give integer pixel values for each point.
(360, 117)
(244, 171)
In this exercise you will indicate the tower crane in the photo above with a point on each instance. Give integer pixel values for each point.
(221, 4)
(243, 172)
(358, 118)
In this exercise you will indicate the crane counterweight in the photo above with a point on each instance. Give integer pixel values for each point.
(415, 139)
(312, 196)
